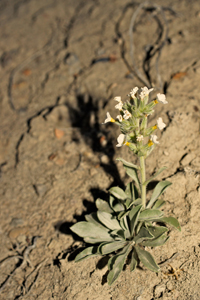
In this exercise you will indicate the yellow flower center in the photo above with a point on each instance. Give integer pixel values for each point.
(126, 143)
(150, 143)
(155, 101)
(112, 120)
(154, 127)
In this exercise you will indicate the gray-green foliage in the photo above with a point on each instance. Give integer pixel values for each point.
(122, 227)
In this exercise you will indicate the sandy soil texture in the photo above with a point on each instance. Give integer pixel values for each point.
(61, 64)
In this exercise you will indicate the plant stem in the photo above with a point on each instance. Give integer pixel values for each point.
(143, 179)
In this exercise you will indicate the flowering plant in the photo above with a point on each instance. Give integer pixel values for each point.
(130, 222)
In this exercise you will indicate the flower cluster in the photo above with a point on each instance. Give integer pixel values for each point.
(132, 120)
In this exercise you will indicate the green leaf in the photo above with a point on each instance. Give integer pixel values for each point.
(121, 214)
(150, 214)
(124, 225)
(103, 205)
(132, 194)
(127, 164)
(158, 204)
(108, 220)
(116, 264)
(138, 201)
(90, 230)
(118, 193)
(134, 261)
(116, 205)
(142, 235)
(155, 175)
(171, 221)
(159, 189)
(92, 218)
(133, 217)
(160, 236)
(157, 231)
(159, 241)
(147, 259)
(120, 234)
(132, 172)
(111, 247)
(87, 252)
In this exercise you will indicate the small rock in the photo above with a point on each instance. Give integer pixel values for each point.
(40, 189)
(16, 222)
(188, 158)
(14, 233)
(93, 172)
(104, 159)
(60, 161)
(26, 72)
(70, 59)
(21, 85)
(159, 290)
(59, 133)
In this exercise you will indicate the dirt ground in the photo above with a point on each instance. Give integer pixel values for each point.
(61, 64)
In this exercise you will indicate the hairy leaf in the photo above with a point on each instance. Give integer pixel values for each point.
(158, 204)
(108, 220)
(125, 226)
(90, 230)
(87, 252)
(157, 231)
(116, 264)
(118, 193)
(150, 214)
(133, 217)
(171, 221)
(159, 241)
(159, 189)
(132, 194)
(132, 172)
(92, 218)
(155, 175)
(127, 164)
(147, 259)
(103, 205)
(138, 201)
(142, 235)
(118, 234)
(134, 261)
(106, 248)
(116, 205)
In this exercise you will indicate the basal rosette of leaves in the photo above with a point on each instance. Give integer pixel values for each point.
(128, 223)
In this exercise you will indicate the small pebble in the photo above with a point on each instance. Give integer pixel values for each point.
(58, 133)
(16, 222)
(14, 233)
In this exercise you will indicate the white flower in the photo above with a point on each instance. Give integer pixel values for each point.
(161, 98)
(140, 138)
(121, 140)
(119, 106)
(145, 92)
(118, 99)
(108, 119)
(154, 138)
(133, 92)
(127, 115)
(160, 124)
(119, 117)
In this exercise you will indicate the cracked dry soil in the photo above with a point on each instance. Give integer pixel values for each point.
(62, 62)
